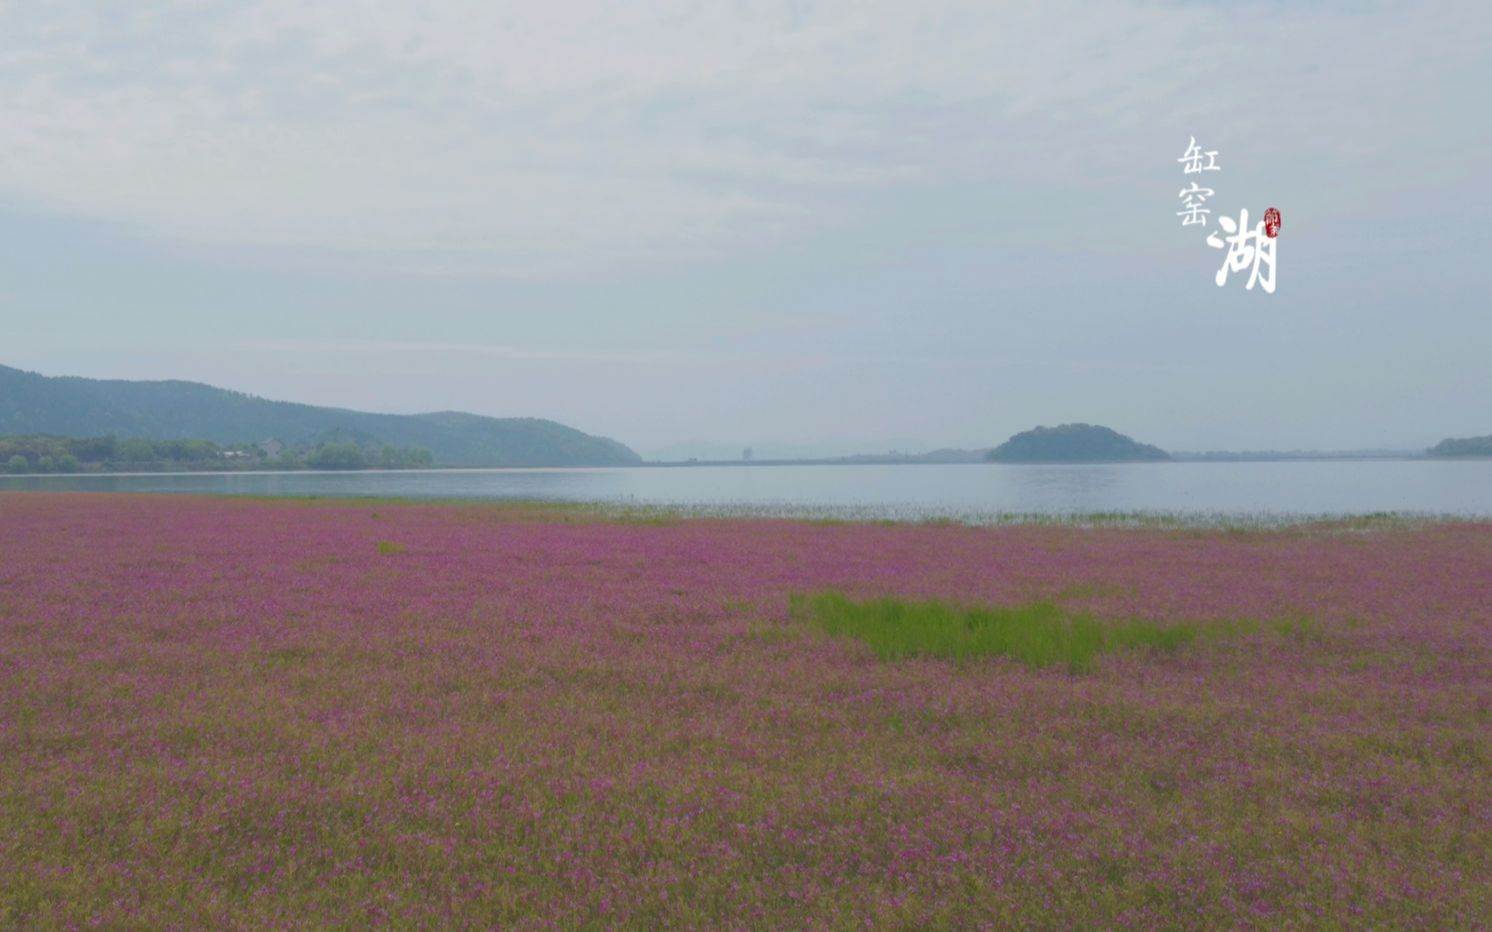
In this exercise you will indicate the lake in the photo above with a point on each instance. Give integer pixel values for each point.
(1323, 487)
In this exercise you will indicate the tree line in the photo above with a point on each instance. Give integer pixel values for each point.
(48, 454)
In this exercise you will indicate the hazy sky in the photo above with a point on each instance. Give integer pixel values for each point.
(832, 225)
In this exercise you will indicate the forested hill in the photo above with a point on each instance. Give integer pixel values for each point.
(1463, 446)
(78, 407)
(1074, 443)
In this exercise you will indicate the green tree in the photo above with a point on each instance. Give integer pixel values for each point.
(95, 449)
(46, 464)
(402, 457)
(18, 464)
(199, 450)
(136, 450)
(337, 456)
(67, 463)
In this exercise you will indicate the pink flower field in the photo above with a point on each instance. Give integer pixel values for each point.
(234, 713)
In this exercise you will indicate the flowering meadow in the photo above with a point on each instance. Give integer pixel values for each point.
(235, 713)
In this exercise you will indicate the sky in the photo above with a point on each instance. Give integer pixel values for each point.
(805, 226)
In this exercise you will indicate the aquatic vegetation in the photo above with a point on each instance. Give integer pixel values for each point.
(232, 713)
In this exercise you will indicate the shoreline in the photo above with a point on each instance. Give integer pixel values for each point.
(642, 512)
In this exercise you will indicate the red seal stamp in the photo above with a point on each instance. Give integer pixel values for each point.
(1271, 223)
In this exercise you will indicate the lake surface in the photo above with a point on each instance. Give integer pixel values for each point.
(1282, 488)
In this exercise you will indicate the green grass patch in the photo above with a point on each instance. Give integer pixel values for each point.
(1038, 634)
(1300, 628)
(288, 656)
(388, 547)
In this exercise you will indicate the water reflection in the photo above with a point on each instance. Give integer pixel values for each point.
(1084, 488)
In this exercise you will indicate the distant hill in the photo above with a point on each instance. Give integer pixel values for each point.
(1463, 446)
(1074, 443)
(77, 407)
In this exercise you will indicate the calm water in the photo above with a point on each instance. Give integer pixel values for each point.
(1326, 487)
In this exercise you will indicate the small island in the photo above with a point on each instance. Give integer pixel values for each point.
(1463, 446)
(1074, 443)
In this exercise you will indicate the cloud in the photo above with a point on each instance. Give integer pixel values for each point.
(324, 348)
(531, 139)
(712, 360)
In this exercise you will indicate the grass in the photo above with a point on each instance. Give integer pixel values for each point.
(1037, 634)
